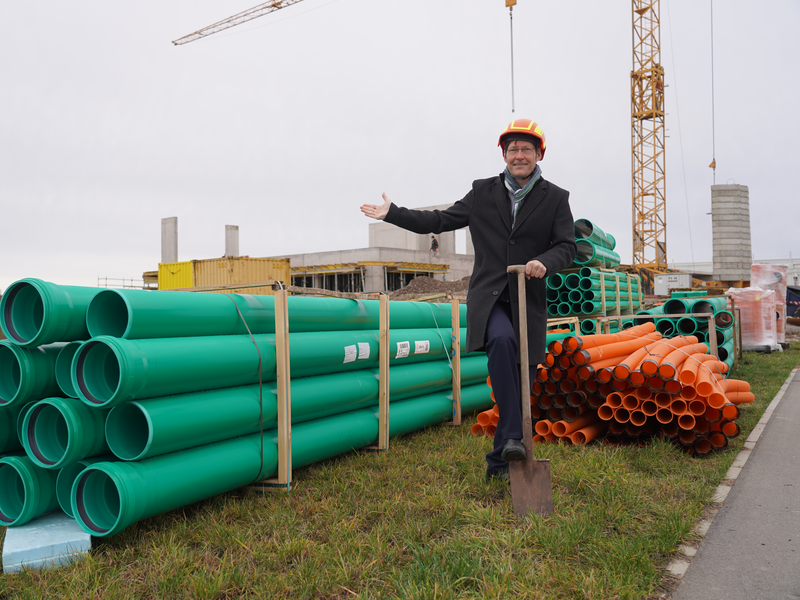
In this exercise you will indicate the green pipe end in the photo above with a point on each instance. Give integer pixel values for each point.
(129, 431)
(98, 372)
(22, 312)
(10, 374)
(109, 313)
(26, 491)
(97, 503)
(64, 369)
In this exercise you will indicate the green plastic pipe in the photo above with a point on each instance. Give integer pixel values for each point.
(552, 309)
(107, 371)
(572, 281)
(723, 319)
(67, 476)
(9, 438)
(593, 283)
(725, 352)
(564, 309)
(27, 491)
(588, 326)
(708, 306)
(27, 374)
(595, 256)
(555, 282)
(35, 312)
(656, 310)
(666, 327)
(106, 498)
(723, 335)
(575, 296)
(142, 429)
(676, 306)
(59, 431)
(552, 295)
(63, 369)
(585, 229)
(140, 314)
(686, 326)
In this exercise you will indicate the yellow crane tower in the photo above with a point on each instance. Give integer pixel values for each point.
(647, 126)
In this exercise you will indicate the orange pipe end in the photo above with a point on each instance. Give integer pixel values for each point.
(630, 401)
(713, 414)
(554, 414)
(678, 407)
(741, 397)
(642, 393)
(655, 384)
(559, 428)
(649, 408)
(490, 431)
(730, 412)
(696, 408)
(488, 381)
(673, 387)
(701, 426)
(493, 418)
(664, 416)
(666, 371)
(538, 439)
(671, 429)
(615, 427)
(688, 392)
(484, 418)
(686, 421)
(717, 400)
(718, 440)
(549, 360)
(638, 417)
(649, 367)
(595, 401)
(543, 427)
(687, 436)
(605, 412)
(604, 375)
(702, 446)
(621, 372)
(662, 399)
(476, 429)
(622, 414)
(730, 429)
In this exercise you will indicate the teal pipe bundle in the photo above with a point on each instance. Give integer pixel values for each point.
(107, 371)
(107, 498)
(67, 476)
(26, 373)
(591, 255)
(59, 431)
(141, 429)
(586, 230)
(35, 312)
(141, 314)
(27, 491)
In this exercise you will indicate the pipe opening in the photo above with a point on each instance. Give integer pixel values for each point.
(12, 500)
(23, 312)
(128, 431)
(66, 477)
(97, 500)
(97, 372)
(64, 369)
(10, 374)
(108, 315)
(585, 252)
(47, 434)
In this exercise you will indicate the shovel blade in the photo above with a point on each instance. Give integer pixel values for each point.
(531, 487)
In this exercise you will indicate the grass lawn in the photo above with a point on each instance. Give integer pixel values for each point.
(421, 522)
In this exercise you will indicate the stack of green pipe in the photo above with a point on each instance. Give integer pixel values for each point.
(591, 255)
(586, 230)
(580, 293)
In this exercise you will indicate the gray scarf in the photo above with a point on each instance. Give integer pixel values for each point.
(520, 192)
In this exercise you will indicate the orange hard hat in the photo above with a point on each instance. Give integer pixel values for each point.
(522, 129)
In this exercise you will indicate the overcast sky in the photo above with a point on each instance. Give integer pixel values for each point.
(286, 125)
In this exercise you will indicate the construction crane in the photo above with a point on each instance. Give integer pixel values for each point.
(647, 143)
(237, 19)
(647, 126)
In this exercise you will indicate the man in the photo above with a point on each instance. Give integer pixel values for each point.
(434, 244)
(514, 218)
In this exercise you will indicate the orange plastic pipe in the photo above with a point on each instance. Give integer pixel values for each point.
(688, 392)
(686, 421)
(586, 434)
(476, 429)
(638, 417)
(697, 407)
(718, 440)
(484, 418)
(673, 387)
(662, 399)
(706, 382)
(563, 428)
(740, 397)
(623, 370)
(664, 416)
(701, 426)
(543, 427)
(734, 385)
(582, 357)
(658, 352)
(730, 429)
(655, 384)
(730, 411)
(622, 414)
(539, 439)
(630, 401)
(649, 408)
(490, 430)
(595, 401)
(642, 393)
(587, 371)
(712, 414)
(688, 370)
(605, 412)
(669, 366)
(687, 436)
(575, 343)
(678, 406)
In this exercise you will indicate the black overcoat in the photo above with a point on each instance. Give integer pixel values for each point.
(544, 230)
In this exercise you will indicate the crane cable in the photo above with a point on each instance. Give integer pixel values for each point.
(511, 22)
(713, 164)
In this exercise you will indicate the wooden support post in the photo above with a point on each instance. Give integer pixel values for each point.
(455, 317)
(383, 377)
(284, 481)
(712, 336)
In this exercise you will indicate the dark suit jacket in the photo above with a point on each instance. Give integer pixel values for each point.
(544, 231)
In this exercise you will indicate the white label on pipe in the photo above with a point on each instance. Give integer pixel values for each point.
(363, 350)
(350, 353)
(403, 349)
(422, 347)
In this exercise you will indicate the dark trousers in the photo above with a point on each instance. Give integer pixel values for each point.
(501, 350)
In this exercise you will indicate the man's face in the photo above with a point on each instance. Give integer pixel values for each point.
(521, 158)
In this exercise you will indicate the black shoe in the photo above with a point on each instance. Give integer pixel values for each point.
(513, 450)
(497, 473)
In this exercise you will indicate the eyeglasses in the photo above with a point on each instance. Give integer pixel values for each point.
(523, 151)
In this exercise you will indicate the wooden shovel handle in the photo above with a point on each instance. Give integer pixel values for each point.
(525, 379)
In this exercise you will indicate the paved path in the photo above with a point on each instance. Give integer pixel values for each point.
(752, 548)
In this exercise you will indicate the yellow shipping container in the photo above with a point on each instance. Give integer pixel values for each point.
(217, 272)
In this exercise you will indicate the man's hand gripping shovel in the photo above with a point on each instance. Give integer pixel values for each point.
(531, 487)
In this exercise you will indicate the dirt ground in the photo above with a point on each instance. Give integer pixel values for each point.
(427, 286)
(792, 333)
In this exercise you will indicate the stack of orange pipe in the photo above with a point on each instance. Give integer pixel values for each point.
(630, 386)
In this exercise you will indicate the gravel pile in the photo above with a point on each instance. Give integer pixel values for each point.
(427, 286)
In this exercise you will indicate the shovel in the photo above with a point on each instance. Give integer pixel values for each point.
(531, 487)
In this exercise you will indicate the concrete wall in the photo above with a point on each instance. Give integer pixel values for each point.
(730, 226)
(385, 235)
